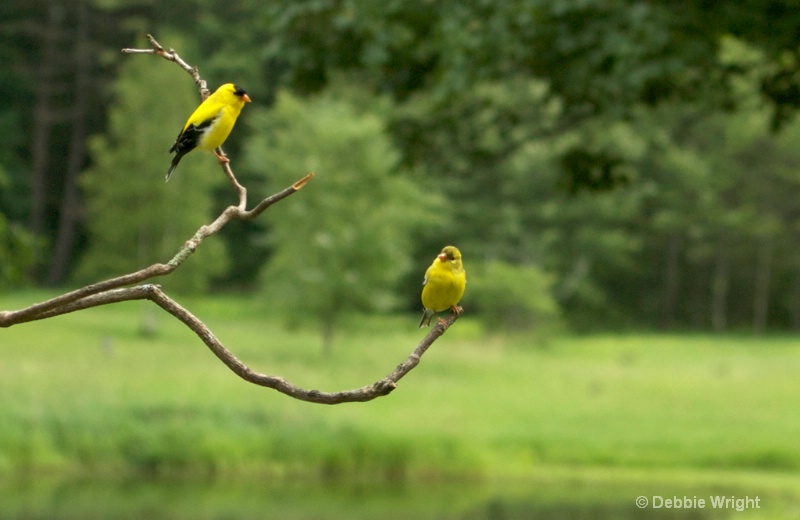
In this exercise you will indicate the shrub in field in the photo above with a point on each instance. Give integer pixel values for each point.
(512, 297)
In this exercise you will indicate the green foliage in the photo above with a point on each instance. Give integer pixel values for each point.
(466, 140)
(135, 219)
(598, 56)
(16, 254)
(17, 248)
(344, 242)
(512, 297)
(720, 202)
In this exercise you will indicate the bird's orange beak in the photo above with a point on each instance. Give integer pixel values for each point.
(442, 257)
(246, 98)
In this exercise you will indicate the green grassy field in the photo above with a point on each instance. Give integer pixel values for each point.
(89, 394)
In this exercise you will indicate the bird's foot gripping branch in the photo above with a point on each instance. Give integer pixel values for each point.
(132, 286)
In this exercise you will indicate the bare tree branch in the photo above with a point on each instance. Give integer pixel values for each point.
(171, 55)
(55, 306)
(366, 393)
(117, 289)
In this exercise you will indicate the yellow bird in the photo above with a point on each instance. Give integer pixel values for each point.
(210, 124)
(444, 284)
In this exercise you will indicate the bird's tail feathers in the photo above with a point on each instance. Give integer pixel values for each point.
(426, 318)
(175, 161)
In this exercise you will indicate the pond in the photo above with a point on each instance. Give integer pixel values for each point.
(558, 498)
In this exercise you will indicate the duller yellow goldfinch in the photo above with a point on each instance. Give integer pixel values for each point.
(444, 284)
(210, 124)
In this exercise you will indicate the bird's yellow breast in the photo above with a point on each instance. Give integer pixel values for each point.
(444, 287)
(221, 128)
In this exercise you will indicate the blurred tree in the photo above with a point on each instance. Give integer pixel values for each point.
(344, 245)
(70, 202)
(467, 140)
(134, 218)
(55, 54)
(679, 201)
(510, 297)
(16, 253)
(17, 248)
(596, 58)
(720, 214)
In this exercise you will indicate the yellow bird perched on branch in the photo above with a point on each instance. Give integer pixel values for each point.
(210, 124)
(444, 284)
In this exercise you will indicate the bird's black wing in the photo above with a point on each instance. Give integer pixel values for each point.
(189, 138)
(187, 141)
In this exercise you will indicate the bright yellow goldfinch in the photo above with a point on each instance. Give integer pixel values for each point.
(443, 285)
(210, 124)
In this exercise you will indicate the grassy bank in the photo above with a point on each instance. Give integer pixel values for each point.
(90, 394)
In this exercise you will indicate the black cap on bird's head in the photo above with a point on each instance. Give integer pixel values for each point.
(240, 92)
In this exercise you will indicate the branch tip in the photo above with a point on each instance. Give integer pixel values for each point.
(154, 43)
(302, 182)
